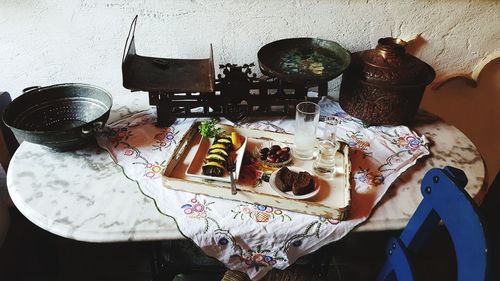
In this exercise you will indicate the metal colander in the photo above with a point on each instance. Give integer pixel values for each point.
(63, 117)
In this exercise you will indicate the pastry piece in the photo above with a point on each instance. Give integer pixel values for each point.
(303, 184)
(284, 179)
(213, 169)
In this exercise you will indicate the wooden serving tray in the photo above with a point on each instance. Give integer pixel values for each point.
(332, 201)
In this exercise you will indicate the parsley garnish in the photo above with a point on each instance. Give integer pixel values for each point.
(207, 128)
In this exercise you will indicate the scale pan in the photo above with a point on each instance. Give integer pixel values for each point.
(305, 61)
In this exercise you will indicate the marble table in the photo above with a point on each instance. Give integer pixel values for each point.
(84, 195)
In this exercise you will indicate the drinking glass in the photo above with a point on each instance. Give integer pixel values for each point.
(306, 122)
(324, 164)
(330, 132)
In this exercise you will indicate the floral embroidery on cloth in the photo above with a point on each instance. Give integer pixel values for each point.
(250, 237)
(259, 213)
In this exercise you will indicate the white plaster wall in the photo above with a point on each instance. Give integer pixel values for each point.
(46, 42)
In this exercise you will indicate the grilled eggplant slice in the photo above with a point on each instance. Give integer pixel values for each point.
(213, 169)
(226, 141)
(219, 151)
(215, 162)
(213, 157)
(218, 145)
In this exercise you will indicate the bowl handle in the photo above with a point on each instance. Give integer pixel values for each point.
(31, 88)
(88, 129)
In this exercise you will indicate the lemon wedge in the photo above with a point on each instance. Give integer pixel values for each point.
(237, 140)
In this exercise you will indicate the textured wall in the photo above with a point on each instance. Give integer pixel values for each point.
(47, 41)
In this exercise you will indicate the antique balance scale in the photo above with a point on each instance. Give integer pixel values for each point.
(189, 87)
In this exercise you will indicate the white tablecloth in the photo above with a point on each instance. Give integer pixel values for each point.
(255, 238)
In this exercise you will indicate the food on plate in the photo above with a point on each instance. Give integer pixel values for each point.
(219, 151)
(275, 154)
(299, 183)
(216, 161)
(303, 184)
(284, 179)
(212, 168)
(208, 128)
(218, 145)
(237, 140)
(214, 157)
(250, 176)
(224, 140)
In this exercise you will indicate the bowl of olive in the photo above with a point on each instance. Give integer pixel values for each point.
(273, 154)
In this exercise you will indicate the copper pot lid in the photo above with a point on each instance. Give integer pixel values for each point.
(389, 64)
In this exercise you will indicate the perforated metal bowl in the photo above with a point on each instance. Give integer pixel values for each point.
(63, 116)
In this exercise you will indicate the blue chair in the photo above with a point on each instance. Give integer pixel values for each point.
(490, 209)
(444, 200)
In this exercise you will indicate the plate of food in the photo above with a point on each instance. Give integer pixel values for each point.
(213, 156)
(273, 154)
(295, 183)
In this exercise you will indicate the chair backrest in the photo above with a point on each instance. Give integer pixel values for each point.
(490, 209)
(8, 143)
(444, 199)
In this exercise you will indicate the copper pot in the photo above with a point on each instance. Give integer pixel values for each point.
(384, 86)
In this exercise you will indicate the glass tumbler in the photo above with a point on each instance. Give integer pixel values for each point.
(324, 164)
(306, 122)
(330, 131)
